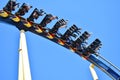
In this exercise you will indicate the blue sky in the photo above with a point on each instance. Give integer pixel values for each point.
(50, 61)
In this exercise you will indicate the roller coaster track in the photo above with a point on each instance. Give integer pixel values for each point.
(23, 24)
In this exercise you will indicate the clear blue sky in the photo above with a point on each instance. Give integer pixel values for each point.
(50, 61)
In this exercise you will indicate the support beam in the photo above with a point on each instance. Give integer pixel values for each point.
(93, 72)
(24, 67)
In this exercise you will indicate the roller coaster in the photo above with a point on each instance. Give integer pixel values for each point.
(72, 39)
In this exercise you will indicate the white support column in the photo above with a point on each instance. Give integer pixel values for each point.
(93, 72)
(24, 67)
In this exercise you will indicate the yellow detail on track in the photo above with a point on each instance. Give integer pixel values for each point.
(61, 42)
(28, 24)
(83, 58)
(4, 14)
(39, 30)
(72, 49)
(16, 19)
(50, 36)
